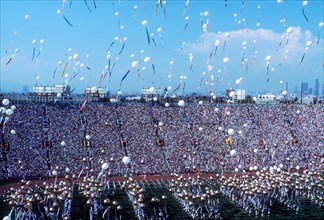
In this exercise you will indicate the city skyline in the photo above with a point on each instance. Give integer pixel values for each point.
(267, 44)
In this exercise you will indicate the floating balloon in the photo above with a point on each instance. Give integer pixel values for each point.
(284, 92)
(104, 166)
(54, 173)
(230, 131)
(308, 43)
(63, 144)
(231, 94)
(88, 137)
(67, 170)
(9, 111)
(13, 132)
(135, 64)
(76, 56)
(147, 59)
(181, 103)
(94, 89)
(233, 152)
(151, 90)
(126, 160)
(5, 102)
(167, 105)
(225, 60)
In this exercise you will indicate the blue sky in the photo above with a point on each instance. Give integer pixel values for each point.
(94, 31)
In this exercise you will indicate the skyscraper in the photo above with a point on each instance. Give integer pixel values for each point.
(316, 87)
(304, 87)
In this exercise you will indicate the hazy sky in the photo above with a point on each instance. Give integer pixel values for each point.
(247, 33)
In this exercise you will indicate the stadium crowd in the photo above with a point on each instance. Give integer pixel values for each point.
(204, 138)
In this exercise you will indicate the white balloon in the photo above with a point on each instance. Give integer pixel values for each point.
(305, 3)
(160, 124)
(308, 43)
(268, 58)
(321, 24)
(220, 128)
(233, 152)
(76, 56)
(104, 166)
(59, 95)
(147, 59)
(166, 104)
(126, 160)
(216, 109)
(94, 89)
(210, 68)
(7, 218)
(59, 11)
(298, 112)
(144, 23)
(34, 41)
(289, 30)
(230, 131)
(67, 170)
(119, 92)
(42, 41)
(217, 43)
(200, 128)
(200, 102)
(225, 60)
(88, 137)
(151, 90)
(181, 103)
(63, 143)
(255, 151)
(135, 64)
(155, 99)
(27, 17)
(9, 111)
(159, 30)
(54, 173)
(231, 94)
(5, 102)
(13, 132)
(284, 92)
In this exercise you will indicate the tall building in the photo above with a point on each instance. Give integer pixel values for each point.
(316, 87)
(304, 88)
(25, 89)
